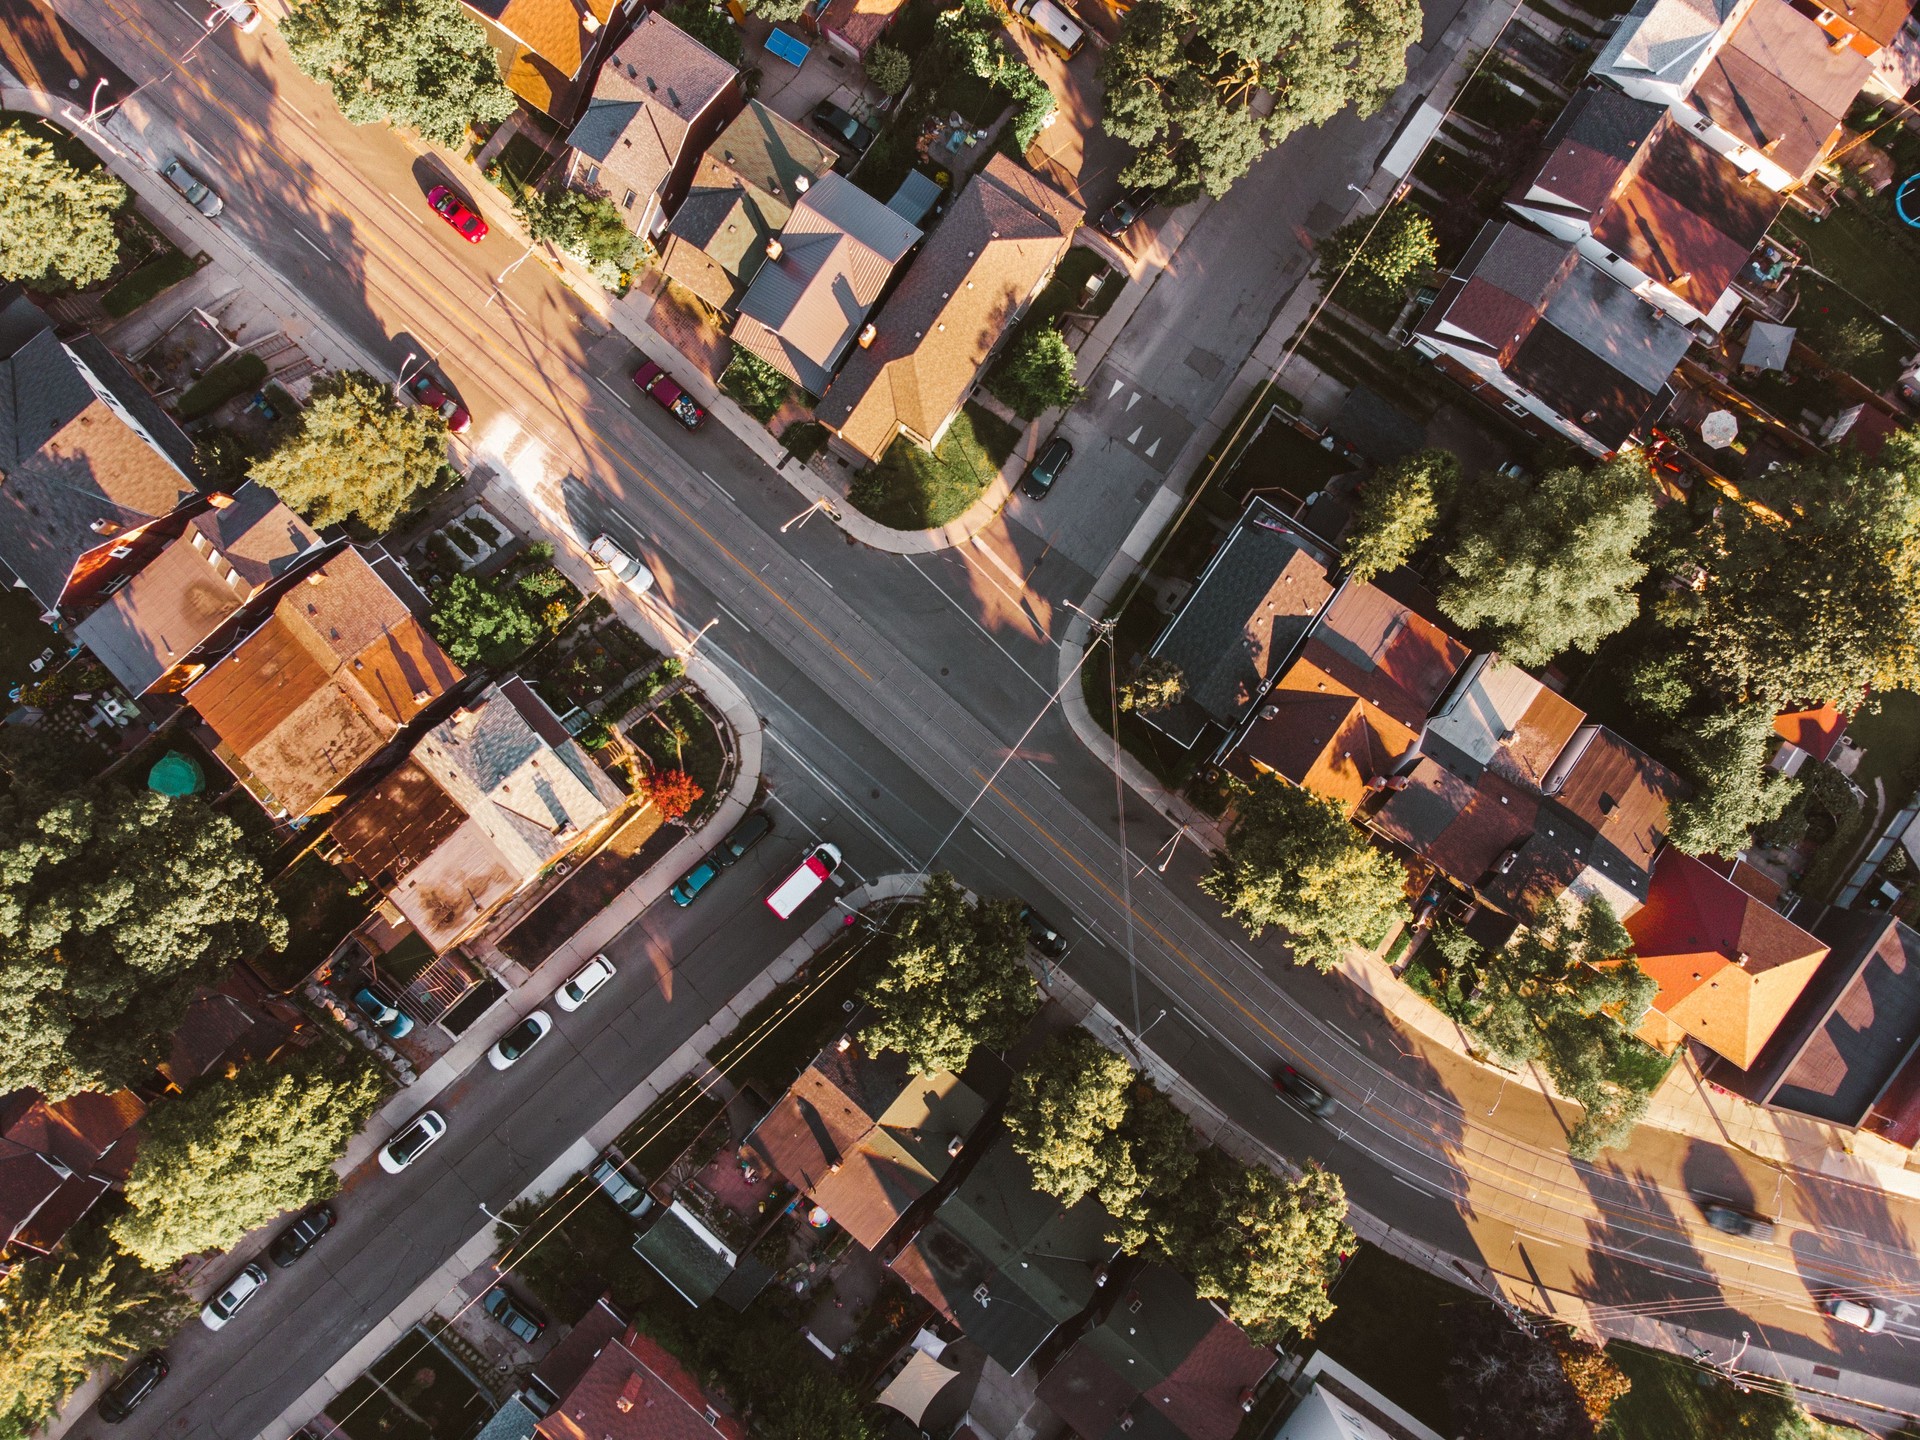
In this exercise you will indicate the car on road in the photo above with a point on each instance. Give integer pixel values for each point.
(620, 1188)
(387, 1017)
(665, 392)
(693, 882)
(412, 1142)
(198, 193)
(428, 393)
(1125, 213)
(452, 209)
(1858, 1313)
(1729, 1221)
(243, 15)
(233, 1297)
(754, 827)
(587, 979)
(842, 128)
(123, 1397)
(1307, 1093)
(1046, 469)
(1041, 934)
(519, 1040)
(606, 554)
(520, 1319)
(301, 1236)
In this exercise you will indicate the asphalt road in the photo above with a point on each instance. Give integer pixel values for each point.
(908, 718)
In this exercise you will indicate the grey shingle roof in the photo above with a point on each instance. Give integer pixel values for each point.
(644, 101)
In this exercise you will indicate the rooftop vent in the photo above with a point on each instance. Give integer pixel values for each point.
(843, 1044)
(104, 527)
(868, 334)
(956, 1144)
(121, 552)
(802, 182)
(773, 247)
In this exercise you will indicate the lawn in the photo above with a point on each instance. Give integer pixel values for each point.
(162, 272)
(1888, 729)
(1669, 1402)
(1062, 292)
(634, 848)
(1872, 255)
(912, 490)
(680, 735)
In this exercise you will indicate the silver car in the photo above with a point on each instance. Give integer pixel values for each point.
(199, 194)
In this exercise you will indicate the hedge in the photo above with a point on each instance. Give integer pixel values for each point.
(139, 286)
(233, 376)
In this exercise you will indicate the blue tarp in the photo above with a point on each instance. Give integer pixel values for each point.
(783, 46)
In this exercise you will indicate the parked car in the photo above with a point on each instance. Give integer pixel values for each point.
(242, 14)
(520, 1039)
(520, 1319)
(693, 882)
(123, 1397)
(387, 1017)
(411, 1143)
(754, 827)
(452, 209)
(301, 1236)
(198, 193)
(1125, 213)
(1858, 1313)
(1305, 1092)
(631, 1198)
(665, 392)
(230, 1300)
(842, 128)
(1046, 469)
(587, 979)
(606, 554)
(1041, 934)
(427, 392)
(1729, 1221)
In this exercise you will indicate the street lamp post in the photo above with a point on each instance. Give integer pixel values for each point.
(820, 503)
(687, 649)
(500, 1219)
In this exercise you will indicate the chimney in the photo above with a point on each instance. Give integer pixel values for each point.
(630, 1392)
(318, 577)
(868, 334)
(590, 23)
(104, 527)
(463, 719)
(773, 247)
(219, 500)
(802, 183)
(1741, 959)
(956, 1144)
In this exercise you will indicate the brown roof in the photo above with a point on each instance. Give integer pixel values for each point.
(396, 823)
(860, 22)
(1462, 827)
(1878, 20)
(635, 1390)
(1201, 1399)
(1386, 653)
(563, 1366)
(1322, 736)
(645, 100)
(1000, 239)
(1619, 791)
(1780, 87)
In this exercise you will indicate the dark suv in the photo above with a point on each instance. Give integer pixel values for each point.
(301, 1236)
(1124, 213)
(123, 1397)
(1046, 469)
(752, 829)
(521, 1320)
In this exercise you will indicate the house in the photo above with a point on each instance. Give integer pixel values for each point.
(1810, 734)
(633, 1389)
(993, 251)
(1241, 621)
(160, 629)
(1006, 1263)
(332, 674)
(56, 1160)
(743, 191)
(1528, 323)
(854, 27)
(97, 478)
(561, 1368)
(1866, 26)
(1729, 967)
(659, 101)
(233, 1023)
(821, 275)
(1157, 1361)
(1339, 1405)
(863, 1139)
(548, 49)
(486, 801)
(1645, 201)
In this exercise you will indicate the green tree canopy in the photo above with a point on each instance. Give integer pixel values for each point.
(423, 64)
(955, 977)
(1036, 373)
(1550, 565)
(1725, 755)
(1065, 1113)
(1382, 254)
(474, 619)
(114, 905)
(777, 10)
(1154, 685)
(56, 219)
(889, 68)
(1397, 509)
(590, 227)
(711, 27)
(237, 1150)
(358, 454)
(1294, 861)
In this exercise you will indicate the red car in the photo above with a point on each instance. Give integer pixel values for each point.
(669, 396)
(450, 208)
(426, 391)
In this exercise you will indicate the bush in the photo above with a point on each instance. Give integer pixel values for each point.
(233, 376)
(804, 439)
(888, 68)
(139, 286)
(760, 389)
(1036, 374)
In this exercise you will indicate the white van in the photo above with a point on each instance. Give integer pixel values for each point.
(1053, 25)
(814, 871)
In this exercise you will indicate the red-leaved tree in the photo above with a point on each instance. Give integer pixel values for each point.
(674, 791)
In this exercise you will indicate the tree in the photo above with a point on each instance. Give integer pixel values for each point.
(956, 977)
(673, 793)
(590, 227)
(777, 11)
(424, 64)
(1156, 683)
(1503, 1382)
(473, 620)
(115, 905)
(760, 388)
(888, 68)
(1065, 1112)
(56, 219)
(1551, 565)
(70, 1313)
(358, 455)
(237, 1150)
(1036, 373)
(1397, 509)
(1725, 755)
(1381, 254)
(1152, 1167)
(709, 26)
(1596, 1380)
(816, 1407)
(1294, 861)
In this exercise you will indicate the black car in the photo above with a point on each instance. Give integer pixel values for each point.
(752, 829)
(1729, 1221)
(1306, 1093)
(1041, 934)
(1045, 470)
(301, 1236)
(123, 1397)
(520, 1319)
(1124, 212)
(842, 128)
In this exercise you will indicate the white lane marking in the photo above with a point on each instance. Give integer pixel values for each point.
(1343, 1035)
(716, 484)
(837, 793)
(816, 574)
(1046, 777)
(1411, 1186)
(986, 842)
(310, 244)
(407, 209)
(1044, 688)
(618, 395)
(733, 617)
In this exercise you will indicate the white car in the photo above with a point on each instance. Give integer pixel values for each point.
(520, 1039)
(591, 976)
(239, 1290)
(198, 193)
(411, 1143)
(243, 14)
(607, 555)
(1857, 1313)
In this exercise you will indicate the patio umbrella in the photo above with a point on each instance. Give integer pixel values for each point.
(1719, 429)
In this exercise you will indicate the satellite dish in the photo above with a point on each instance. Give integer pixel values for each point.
(1719, 429)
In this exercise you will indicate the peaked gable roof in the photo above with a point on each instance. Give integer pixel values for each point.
(635, 1390)
(1816, 730)
(645, 100)
(1664, 39)
(545, 46)
(1591, 146)
(1385, 652)
(1780, 86)
(1500, 718)
(1321, 736)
